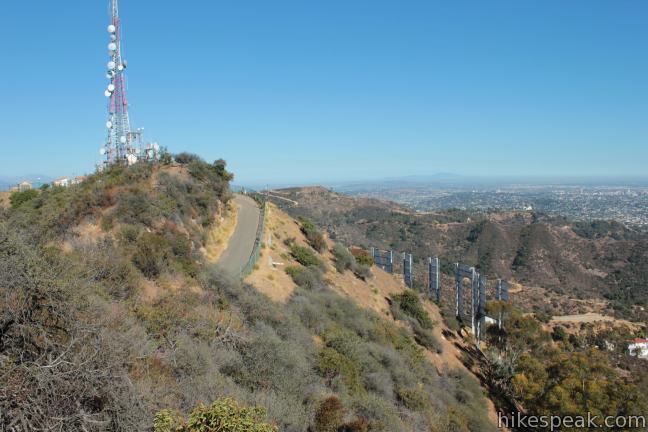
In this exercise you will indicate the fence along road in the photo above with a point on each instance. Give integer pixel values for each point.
(242, 243)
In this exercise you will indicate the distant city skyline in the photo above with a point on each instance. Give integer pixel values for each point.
(294, 93)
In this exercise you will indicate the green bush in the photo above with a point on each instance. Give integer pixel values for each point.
(305, 257)
(181, 249)
(344, 260)
(136, 207)
(413, 398)
(331, 364)
(107, 222)
(364, 259)
(410, 304)
(426, 338)
(314, 237)
(185, 158)
(382, 414)
(128, 234)
(19, 198)
(224, 415)
(306, 277)
(109, 267)
(151, 254)
(559, 333)
(362, 271)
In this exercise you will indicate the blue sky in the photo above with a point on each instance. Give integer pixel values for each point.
(308, 91)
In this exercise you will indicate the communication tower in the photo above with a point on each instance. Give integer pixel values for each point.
(123, 145)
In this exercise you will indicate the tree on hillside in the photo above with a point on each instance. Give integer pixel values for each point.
(19, 198)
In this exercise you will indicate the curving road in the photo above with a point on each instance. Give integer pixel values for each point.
(241, 244)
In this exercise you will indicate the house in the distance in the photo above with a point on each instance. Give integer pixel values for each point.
(63, 181)
(638, 348)
(21, 187)
(77, 180)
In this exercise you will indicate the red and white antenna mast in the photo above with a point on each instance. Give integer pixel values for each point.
(123, 145)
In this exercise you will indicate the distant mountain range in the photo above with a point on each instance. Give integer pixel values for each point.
(449, 180)
(453, 180)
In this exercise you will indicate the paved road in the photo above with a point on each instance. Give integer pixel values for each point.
(241, 243)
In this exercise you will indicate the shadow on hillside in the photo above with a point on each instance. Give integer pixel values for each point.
(474, 360)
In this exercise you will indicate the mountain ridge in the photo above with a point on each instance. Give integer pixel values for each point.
(564, 259)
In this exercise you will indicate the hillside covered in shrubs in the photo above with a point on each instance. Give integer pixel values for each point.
(570, 267)
(111, 319)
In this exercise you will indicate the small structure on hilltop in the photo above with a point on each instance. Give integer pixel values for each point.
(123, 144)
(62, 182)
(638, 348)
(21, 187)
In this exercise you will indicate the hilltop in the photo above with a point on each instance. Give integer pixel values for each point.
(565, 267)
(115, 281)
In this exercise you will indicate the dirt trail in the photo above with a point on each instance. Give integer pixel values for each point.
(591, 317)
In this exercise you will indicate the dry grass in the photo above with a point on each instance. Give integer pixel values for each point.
(269, 277)
(371, 294)
(4, 199)
(591, 317)
(218, 237)
(152, 290)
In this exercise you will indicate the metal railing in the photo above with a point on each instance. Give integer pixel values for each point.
(258, 241)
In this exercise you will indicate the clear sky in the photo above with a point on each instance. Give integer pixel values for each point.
(305, 91)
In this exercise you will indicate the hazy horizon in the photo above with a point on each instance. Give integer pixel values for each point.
(440, 180)
(458, 180)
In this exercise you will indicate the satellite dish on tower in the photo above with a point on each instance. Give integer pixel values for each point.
(102, 151)
(112, 46)
(111, 65)
(112, 29)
